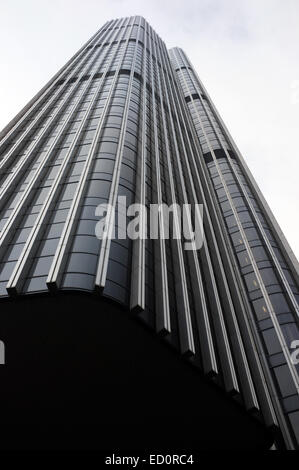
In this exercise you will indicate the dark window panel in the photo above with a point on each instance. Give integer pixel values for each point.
(260, 309)
(36, 284)
(271, 341)
(279, 303)
(78, 281)
(116, 292)
(82, 263)
(41, 266)
(86, 244)
(48, 247)
(6, 270)
(285, 383)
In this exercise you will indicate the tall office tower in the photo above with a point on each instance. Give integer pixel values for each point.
(137, 333)
(265, 266)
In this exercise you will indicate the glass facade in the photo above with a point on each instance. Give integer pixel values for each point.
(125, 117)
(268, 276)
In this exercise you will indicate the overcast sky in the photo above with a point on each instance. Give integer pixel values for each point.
(245, 51)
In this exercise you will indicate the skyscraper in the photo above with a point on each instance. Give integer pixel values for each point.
(127, 118)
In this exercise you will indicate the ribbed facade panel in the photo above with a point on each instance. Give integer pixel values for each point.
(126, 118)
(269, 279)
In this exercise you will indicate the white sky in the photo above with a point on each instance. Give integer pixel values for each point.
(245, 51)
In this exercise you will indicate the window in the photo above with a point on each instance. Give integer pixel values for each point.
(98, 188)
(289, 277)
(291, 333)
(89, 135)
(108, 147)
(122, 191)
(237, 239)
(251, 234)
(88, 212)
(82, 150)
(6, 270)
(104, 166)
(260, 309)
(3, 290)
(271, 341)
(41, 266)
(49, 247)
(244, 217)
(55, 230)
(111, 132)
(233, 188)
(128, 173)
(251, 282)
(294, 419)
(284, 380)
(60, 215)
(77, 168)
(220, 192)
(259, 253)
(117, 273)
(279, 303)
(13, 252)
(115, 291)
(268, 276)
(22, 235)
(42, 195)
(86, 244)
(119, 253)
(230, 221)
(36, 284)
(243, 259)
(216, 180)
(68, 191)
(82, 263)
(129, 154)
(78, 281)
(86, 227)
(30, 219)
(225, 206)
(53, 172)
(114, 120)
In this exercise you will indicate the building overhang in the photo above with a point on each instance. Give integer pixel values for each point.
(83, 373)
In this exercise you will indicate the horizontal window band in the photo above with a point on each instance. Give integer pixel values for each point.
(219, 153)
